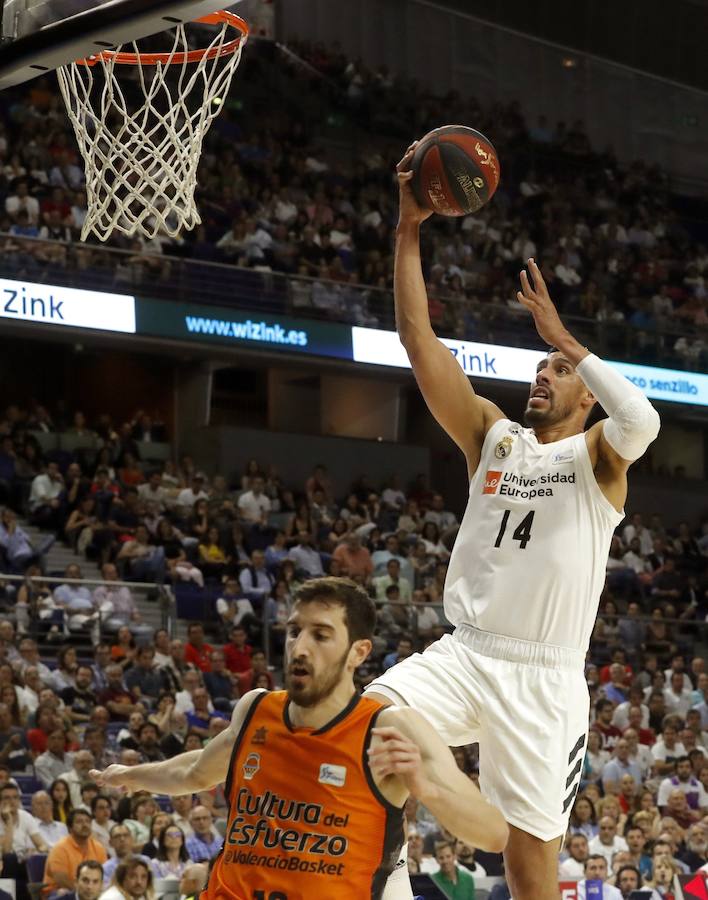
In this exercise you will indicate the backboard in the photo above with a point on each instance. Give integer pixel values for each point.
(41, 35)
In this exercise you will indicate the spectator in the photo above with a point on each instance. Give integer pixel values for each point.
(189, 497)
(64, 857)
(254, 505)
(604, 710)
(665, 870)
(45, 501)
(142, 811)
(257, 672)
(607, 842)
(685, 781)
(14, 752)
(89, 881)
(193, 881)
(574, 864)
(255, 580)
(181, 810)
(143, 680)
(199, 719)
(15, 541)
(116, 697)
(233, 607)
(354, 559)
(49, 829)
(196, 651)
(78, 775)
(618, 766)
(621, 714)
(307, 560)
(123, 844)
(61, 800)
(219, 682)
(149, 742)
(667, 750)
(145, 562)
(403, 650)
(677, 697)
(172, 858)
(51, 764)
(393, 577)
(22, 201)
(596, 869)
(64, 675)
(20, 836)
(102, 812)
(123, 608)
(616, 689)
(205, 842)
(450, 878)
(80, 699)
(77, 602)
(132, 881)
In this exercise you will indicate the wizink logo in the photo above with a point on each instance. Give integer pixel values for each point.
(474, 363)
(17, 302)
(246, 331)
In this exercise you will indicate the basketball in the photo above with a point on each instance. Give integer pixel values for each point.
(455, 170)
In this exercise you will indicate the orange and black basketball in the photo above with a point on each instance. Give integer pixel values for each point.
(455, 170)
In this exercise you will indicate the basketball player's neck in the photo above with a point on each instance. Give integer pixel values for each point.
(558, 430)
(318, 716)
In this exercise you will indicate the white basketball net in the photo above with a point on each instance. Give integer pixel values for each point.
(141, 156)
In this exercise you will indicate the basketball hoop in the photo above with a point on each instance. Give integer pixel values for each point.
(141, 156)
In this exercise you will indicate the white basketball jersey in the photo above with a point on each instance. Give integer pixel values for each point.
(529, 560)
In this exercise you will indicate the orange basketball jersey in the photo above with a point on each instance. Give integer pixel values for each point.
(305, 817)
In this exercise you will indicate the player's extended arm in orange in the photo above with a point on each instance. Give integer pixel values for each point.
(445, 387)
(186, 773)
(407, 748)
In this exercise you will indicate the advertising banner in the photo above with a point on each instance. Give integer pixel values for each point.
(44, 304)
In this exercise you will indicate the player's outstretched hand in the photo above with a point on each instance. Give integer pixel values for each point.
(396, 754)
(113, 776)
(409, 209)
(538, 302)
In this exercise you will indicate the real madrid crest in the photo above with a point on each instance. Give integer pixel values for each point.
(503, 448)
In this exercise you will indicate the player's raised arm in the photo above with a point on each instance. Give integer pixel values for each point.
(186, 773)
(405, 746)
(445, 387)
(632, 423)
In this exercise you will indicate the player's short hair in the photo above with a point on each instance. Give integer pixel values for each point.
(359, 608)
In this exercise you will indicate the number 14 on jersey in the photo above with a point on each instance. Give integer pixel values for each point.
(522, 532)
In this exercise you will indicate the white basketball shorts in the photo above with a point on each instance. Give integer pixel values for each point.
(526, 703)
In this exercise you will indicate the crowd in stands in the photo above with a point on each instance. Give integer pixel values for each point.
(276, 195)
(243, 544)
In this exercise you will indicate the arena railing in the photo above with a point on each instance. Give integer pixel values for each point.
(174, 278)
(165, 598)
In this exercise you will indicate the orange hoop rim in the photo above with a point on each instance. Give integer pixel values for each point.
(191, 56)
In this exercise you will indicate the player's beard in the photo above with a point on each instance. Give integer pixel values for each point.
(317, 688)
(547, 417)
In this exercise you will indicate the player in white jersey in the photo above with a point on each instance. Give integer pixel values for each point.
(528, 566)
